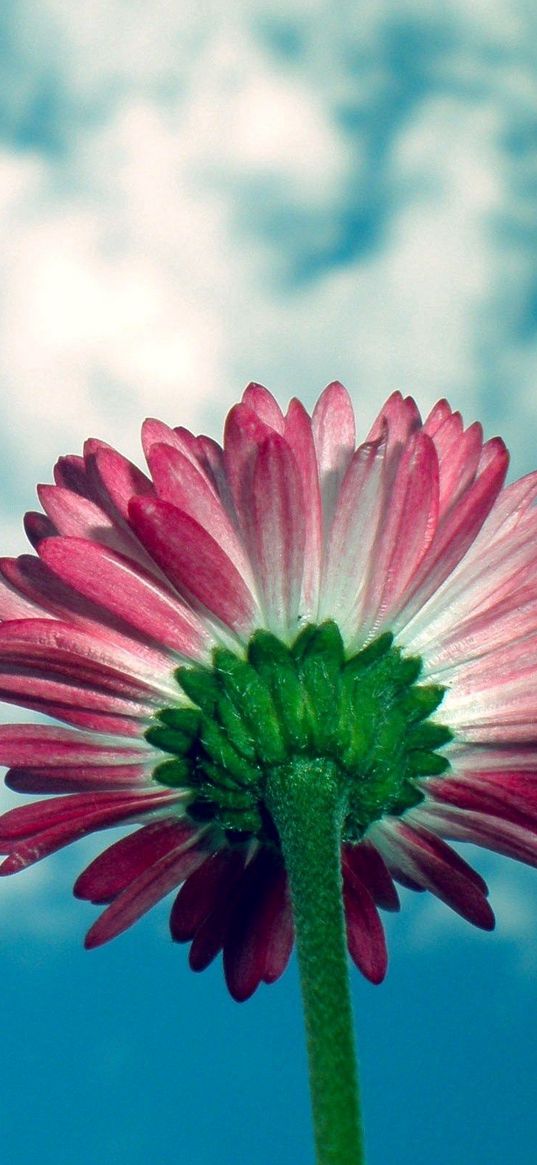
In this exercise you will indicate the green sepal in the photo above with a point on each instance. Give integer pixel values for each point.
(429, 735)
(242, 683)
(326, 643)
(428, 764)
(200, 686)
(187, 720)
(274, 663)
(302, 641)
(168, 739)
(355, 730)
(408, 796)
(319, 668)
(266, 651)
(175, 774)
(369, 654)
(222, 752)
(232, 721)
(421, 702)
(405, 671)
(234, 819)
(229, 793)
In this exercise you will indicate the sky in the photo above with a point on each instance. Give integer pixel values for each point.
(193, 196)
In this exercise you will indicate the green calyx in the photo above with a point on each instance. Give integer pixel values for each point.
(248, 717)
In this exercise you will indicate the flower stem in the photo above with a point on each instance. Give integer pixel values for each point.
(306, 801)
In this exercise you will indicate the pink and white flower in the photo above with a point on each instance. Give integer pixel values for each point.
(291, 523)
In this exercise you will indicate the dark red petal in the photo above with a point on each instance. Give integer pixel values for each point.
(365, 863)
(281, 938)
(438, 868)
(251, 923)
(141, 894)
(365, 933)
(112, 871)
(78, 779)
(71, 473)
(211, 935)
(33, 831)
(203, 891)
(38, 526)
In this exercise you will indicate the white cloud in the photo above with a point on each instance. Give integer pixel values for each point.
(139, 271)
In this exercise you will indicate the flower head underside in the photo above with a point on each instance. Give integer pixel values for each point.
(289, 594)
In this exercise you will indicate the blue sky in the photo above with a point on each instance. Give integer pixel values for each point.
(189, 199)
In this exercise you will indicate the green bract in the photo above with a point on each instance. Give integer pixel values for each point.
(249, 716)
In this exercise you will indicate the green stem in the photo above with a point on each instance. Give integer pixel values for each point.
(306, 801)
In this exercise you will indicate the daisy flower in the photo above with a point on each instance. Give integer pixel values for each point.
(269, 651)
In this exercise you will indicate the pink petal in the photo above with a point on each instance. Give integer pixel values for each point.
(34, 818)
(78, 517)
(183, 484)
(459, 453)
(334, 435)
(277, 534)
(481, 635)
(299, 437)
(244, 433)
(70, 472)
(211, 935)
(490, 579)
(156, 432)
(459, 529)
(348, 555)
(95, 649)
(118, 585)
(40, 585)
(512, 796)
(13, 605)
(44, 744)
(112, 872)
(29, 687)
(264, 405)
(407, 530)
(211, 458)
(400, 417)
(280, 936)
(90, 721)
(194, 562)
(438, 414)
(119, 481)
(502, 837)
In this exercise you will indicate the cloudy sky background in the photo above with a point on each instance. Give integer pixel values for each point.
(189, 199)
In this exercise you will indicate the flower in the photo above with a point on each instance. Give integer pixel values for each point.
(291, 594)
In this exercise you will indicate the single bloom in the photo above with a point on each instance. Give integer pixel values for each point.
(290, 594)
